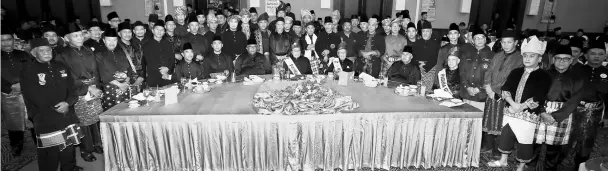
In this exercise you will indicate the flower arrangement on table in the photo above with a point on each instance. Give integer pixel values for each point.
(303, 98)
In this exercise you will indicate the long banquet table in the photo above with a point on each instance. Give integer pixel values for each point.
(219, 130)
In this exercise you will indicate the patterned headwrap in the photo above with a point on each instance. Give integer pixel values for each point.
(181, 10)
(288, 18)
(234, 17)
(336, 13)
(244, 11)
(396, 20)
(305, 12)
(386, 22)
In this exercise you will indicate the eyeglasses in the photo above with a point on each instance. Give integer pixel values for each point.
(557, 59)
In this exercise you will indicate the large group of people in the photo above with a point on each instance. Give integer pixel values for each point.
(533, 88)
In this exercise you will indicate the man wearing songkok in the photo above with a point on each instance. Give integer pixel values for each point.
(221, 23)
(217, 62)
(295, 64)
(353, 41)
(411, 34)
(212, 22)
(425, 53)
(577, 56)
(175, 40)
(14, 113)
(84, 71)
(47, 86)
(555, 127)
(202, 22)
(113, 20)
(589, 113)
(253, 22)
(187, 68)
(364, 26)
(139, 31)
(234, 41)
(253, 63)
(125, 44)
(297, 30)
(354, 21)
(95, 42)
(346, 65)
(327, 43)
(262, 37)
(152, 19)
(199, 43)
(475, 61)
(525, 91)
(452, 37)
(115, 71)
(158, 59)
(181, 28)
(280, 44)
(288, 11)
(374, 47)
(394, 47)
(448, 78)
(404, 71)
(55, 42)
(280, 14)
(494, 78)
(422, 22)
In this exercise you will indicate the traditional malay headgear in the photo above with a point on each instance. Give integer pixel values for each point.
(533, 45)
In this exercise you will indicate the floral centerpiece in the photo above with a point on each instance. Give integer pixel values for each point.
(303, 98)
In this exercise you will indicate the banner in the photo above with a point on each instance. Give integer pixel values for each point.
(271, 7)
(550, 6)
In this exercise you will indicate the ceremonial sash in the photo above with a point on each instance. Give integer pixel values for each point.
(308, 53)
(292, 66)
(336, 63)
(443, 81)
(130, 61)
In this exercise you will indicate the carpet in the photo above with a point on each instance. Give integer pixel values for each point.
(12, 163)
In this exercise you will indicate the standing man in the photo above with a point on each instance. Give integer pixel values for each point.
(113, 20)
(253, 63)
(212, 22)
(262, 37)
(181, 29)
(372, 51)
(152, 19)
(577, 56)
(499, 68)
(55, 42)
(253, 15)
(425, 53)
(475, 62)
(199, 43)
(353, 41)
(453, 35)
(234, 40)
(48, 89)
(158, 59)
(363, 25)
(14, 114)
(140, 40)
(95, 42)
(125, 44)
(588, 116)
(288, 12)
(83, 67)
(280, 44)
(354, 20)
(525, 91)
(556, 125)
(327, 45)
(421, 22)
(176, 41)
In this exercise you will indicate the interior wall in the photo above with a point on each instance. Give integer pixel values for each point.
(132, 9)
(571, 15)
(351, 8)
(296, 5)
(448, 11)
(373, 7)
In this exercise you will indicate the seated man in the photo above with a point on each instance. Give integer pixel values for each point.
(188, 69)
(295, 64)
(253, 63)
(404, 72)
(449, 77)
(217, 62)
(346, 65)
